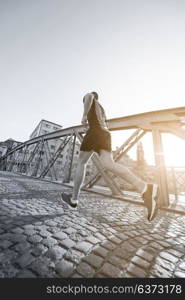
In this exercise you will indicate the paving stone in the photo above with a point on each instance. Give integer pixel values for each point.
(166, 264)
(86, 270)
(122, 253)
(179, 240)
(157, 236)
(26, 274)
(10, 272)
(67, 243)
(108, 245)
(164, 244)
(43, 267)
(16, 238)
(127, 247)
(135, 243)
(140, 262)
(115, 240)
(29, 226)
(150, 250)
(92, 240)
(69, 230)
(29, 232)
(136, 271)
(169, 257)
(179, 274)
(118, 262)
(34, 239)
(74, 255)
(22, 247)
(156, 246)
(122, 236)
(112, 230)
(93, 229)
(147, 238)
(145, 255)
(182, 266)
(83, 246)
(182, 238)
(49, 242)
(170, 234)
(141, 240)
(130, 234)
(64, 268)
(135, 232)
(159, 272)
(52, 230)
(17, 230)
(83, 233)
(101, 251)
(25, 260)
(39, 249)
(5, 244)
(129, 275)
(142, 232)
(8, 255)
(175, 252)
(51, 223)
(172, 241)
(56, 252)
(99, 236)
(43, 226)
(110, 270)
(45, 233)
(94, 260)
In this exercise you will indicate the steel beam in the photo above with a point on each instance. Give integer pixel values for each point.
(71, 161)
(144, 121)
(48, 158)
(32, 155)
(23, 158)
(35, 171)
(54, 157)
(161, 170)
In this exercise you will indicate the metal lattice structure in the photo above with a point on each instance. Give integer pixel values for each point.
(34, 157)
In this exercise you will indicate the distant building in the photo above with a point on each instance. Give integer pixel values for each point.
(44, 127)
(3, 149)
(34, 160)
(6, 147)
(64, 165)
(44, 153)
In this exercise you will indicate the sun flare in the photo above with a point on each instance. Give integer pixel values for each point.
(173, 147)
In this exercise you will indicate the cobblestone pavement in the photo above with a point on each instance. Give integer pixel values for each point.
(41, 237)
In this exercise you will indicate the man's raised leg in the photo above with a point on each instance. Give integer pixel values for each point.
(149, 191)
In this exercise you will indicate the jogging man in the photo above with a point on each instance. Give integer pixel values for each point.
(98, 139)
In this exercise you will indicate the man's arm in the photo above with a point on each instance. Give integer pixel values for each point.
(87, 105)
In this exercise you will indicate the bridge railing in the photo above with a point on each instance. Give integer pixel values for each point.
(54, 156)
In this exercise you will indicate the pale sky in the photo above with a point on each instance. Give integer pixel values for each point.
(52, 52)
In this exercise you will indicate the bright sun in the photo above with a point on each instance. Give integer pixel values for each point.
(174, 148)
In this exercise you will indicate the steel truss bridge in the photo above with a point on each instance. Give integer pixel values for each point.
(157, 122)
